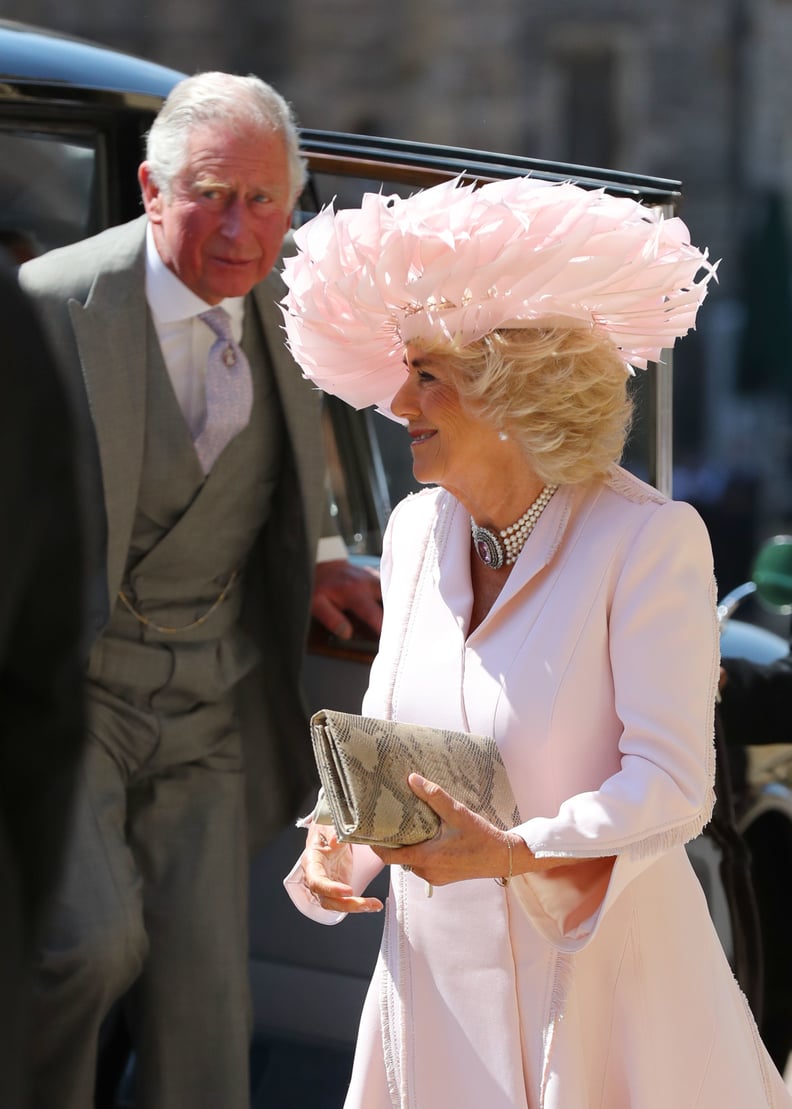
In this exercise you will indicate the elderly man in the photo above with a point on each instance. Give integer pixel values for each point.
(203, 475)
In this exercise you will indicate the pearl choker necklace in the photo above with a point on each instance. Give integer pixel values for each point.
(502, 548)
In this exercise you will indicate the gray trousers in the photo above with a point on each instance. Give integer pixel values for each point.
(152, 905)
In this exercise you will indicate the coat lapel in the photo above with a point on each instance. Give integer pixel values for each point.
(539, 552)
(111, 329)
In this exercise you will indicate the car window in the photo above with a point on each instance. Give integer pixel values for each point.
(49, 193)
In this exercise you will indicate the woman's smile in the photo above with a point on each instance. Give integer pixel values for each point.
(421, 436)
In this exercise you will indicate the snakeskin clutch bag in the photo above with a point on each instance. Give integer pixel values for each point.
(364, 764)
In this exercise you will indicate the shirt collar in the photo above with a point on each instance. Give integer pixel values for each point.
(169, 298)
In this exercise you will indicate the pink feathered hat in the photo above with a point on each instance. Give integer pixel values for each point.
(456, 262)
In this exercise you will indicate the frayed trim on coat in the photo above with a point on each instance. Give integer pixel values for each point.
(760, 1050)
(393, 967)
(624, 483)
(654, 844)
(661, 842)
(562, 979)
(433, 542)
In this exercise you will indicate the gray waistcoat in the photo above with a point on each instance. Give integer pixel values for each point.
(191, 536)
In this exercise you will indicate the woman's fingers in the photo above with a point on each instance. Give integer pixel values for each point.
(327, 870)
(466, 846)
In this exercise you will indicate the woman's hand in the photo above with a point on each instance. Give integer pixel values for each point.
(467, 845)
(327, 871)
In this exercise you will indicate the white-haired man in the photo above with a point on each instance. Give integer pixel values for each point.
(206, 518)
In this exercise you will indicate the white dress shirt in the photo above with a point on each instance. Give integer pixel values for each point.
(184, 339)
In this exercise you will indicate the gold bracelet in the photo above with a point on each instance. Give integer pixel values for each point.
(505, 881)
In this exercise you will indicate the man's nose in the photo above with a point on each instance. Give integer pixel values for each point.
(233, 223)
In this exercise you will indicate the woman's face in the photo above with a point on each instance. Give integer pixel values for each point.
(450, 446)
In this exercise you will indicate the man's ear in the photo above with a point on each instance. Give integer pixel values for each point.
(152, 196)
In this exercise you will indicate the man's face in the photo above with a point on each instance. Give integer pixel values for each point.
(222, 228)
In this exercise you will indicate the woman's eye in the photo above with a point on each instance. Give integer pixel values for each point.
(424, 376)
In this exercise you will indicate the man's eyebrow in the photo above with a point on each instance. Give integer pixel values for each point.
(207, 179)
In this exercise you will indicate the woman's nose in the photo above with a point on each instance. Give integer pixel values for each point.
(404, 403)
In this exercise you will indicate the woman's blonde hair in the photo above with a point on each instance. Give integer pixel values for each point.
(561, 393)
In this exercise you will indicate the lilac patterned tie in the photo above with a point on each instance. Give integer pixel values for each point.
(229, 390)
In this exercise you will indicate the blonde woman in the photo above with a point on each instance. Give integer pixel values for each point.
(538, 593)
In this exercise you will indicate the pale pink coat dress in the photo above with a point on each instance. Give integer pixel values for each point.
(596, 672)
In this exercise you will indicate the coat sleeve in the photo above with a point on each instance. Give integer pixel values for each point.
(664, 654)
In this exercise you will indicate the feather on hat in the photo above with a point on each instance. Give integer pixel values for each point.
(456, 262)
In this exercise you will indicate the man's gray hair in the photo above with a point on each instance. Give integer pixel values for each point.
(209, 98)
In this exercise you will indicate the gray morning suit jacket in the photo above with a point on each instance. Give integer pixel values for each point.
(91, 297)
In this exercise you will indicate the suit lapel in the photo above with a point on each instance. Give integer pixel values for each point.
(112, 332)
(291, 385)
(300, 408)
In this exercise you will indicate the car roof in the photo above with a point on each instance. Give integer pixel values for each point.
(37, 63)
(37, 58)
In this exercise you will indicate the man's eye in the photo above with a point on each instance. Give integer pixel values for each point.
(262, 198)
